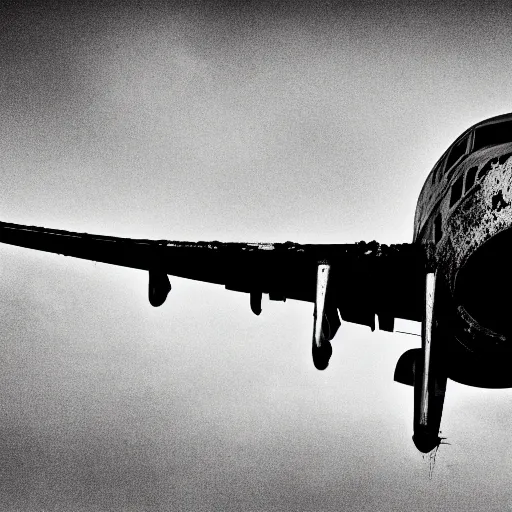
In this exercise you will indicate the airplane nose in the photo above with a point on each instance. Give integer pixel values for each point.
(425, 442)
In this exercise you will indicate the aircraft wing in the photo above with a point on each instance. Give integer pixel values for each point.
(365, 278)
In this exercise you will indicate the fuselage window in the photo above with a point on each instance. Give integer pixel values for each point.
(438, 230)
(457, 152)
(492, 135)
(470, 178)
(456, 193)
(437, 171)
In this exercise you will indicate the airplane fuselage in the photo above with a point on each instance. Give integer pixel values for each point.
(454, 277)
(465, 209)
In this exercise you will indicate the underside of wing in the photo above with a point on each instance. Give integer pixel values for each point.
(364, 279)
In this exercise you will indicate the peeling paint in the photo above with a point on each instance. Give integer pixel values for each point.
(498, 202)
(484, 212)
(481, 215)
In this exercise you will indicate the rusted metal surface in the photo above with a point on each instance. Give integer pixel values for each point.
(466, 212)
(484, 213)
(461, 221)
(438, 183)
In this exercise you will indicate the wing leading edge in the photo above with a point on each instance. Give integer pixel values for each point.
(365, 279)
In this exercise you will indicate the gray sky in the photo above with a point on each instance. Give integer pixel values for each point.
(267, 123)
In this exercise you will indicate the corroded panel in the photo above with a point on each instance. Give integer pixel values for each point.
(483, 213)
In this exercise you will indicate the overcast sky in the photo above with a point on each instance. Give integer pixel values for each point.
(262, 122)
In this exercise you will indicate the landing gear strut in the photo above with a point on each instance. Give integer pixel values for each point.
(326, 319)
(429, 377)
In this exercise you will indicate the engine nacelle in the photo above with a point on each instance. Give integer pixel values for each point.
(407, 366)
(159, 287)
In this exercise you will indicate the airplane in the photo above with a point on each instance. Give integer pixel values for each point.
(453, 277)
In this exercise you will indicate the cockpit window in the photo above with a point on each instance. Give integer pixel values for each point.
(457, 151)
(492, 135)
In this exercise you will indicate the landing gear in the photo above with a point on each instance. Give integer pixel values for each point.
(429, 378)
(326, 320)
(322, 349)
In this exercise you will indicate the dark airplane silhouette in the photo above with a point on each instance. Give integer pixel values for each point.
(453, 277)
